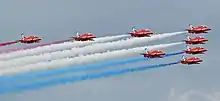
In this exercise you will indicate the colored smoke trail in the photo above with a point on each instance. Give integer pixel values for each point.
(58, 47)
(8, 43)
(34, 46)
(84, 59)
(94, 48)
(61, 71)
(37, 85)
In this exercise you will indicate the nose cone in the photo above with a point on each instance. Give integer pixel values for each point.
(38, 38)
(149, 31)
(205, 39)
(91, 36)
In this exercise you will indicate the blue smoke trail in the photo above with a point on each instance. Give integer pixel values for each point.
(78, 78)
(76, 68)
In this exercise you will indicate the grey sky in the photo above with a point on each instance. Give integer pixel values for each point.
(56, 19)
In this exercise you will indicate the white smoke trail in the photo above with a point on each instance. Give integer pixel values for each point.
(129, 43)
(98, 57)
(85, 50)
(58, 47)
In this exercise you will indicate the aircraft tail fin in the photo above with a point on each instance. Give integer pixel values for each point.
(188, 38)
(134, 29)
(146, 50)
(77, 33)
(187, 47)
(183, 57)
(190, 26)
(22, 36)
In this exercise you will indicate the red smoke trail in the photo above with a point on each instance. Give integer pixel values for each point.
(8, 43)
(34, 46)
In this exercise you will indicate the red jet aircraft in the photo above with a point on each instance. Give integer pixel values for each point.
(196, 40)
(153, 54)
(195, 50)
(191, 60)
(29, 39)
(198, 29)
(141, 32)
(84, 37)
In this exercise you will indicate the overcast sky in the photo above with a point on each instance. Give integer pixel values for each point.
(59, 19)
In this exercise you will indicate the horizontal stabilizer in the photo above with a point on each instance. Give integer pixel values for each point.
(73, 37)
(142, 53)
